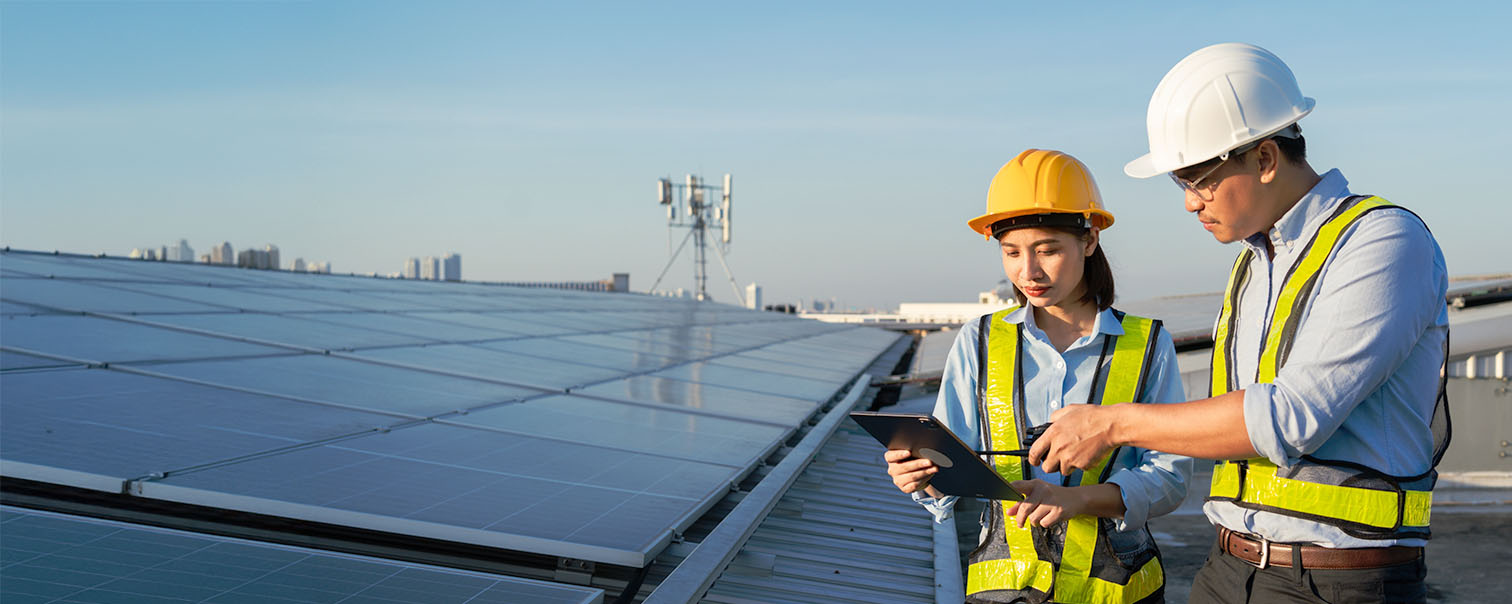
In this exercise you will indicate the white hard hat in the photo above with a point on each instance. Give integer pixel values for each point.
(1214, 100)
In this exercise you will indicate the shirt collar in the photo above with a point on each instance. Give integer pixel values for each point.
(1292, 227)
(1106, 322)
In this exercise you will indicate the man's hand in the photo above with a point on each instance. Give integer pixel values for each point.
(1044, 503)
(911, 474)
(1079, 436)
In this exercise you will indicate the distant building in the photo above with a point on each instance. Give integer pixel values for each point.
(451, 267)
(181, 252)
(298, 265)
(223, 254)
(264, 259)
(143, 253)
(412, 268)
(753, 296)
(204, 258)
(430, 268)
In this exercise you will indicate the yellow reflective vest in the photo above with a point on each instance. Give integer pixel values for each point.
(1360, 501)
(1072, 560)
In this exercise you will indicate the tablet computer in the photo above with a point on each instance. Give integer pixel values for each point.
(962, 471)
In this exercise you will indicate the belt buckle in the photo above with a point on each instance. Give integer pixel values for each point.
(1264, 555)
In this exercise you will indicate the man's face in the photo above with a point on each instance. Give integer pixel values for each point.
(1233, 211)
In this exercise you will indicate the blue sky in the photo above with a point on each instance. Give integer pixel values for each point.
(527, 136)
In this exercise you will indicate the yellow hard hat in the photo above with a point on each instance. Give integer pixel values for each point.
(1042, 182)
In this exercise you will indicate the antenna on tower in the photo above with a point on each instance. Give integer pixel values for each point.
(690, 210)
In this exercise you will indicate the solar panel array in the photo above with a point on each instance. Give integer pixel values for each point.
(584, 425)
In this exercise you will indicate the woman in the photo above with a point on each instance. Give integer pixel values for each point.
(1076, 538)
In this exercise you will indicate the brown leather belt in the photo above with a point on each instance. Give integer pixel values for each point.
(1261, 553)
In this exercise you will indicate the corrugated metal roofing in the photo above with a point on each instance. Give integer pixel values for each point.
(843, 533)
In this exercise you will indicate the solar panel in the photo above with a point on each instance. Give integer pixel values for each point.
(347, 382)
(493, 364)
(474, 486)
(585, 425)
(728, 402)
(59, 558)
(301, 331)
(72, 295)
(125, 426)
(628, 427)
(103, 340)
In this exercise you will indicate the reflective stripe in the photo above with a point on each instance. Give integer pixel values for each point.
(1371, 507)
(1144, 582)
(1218, 380)
(1003, 424)
(1024, 569)
(1319, 251)
(1014, 574)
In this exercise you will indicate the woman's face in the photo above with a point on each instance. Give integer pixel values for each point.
(1046, 265)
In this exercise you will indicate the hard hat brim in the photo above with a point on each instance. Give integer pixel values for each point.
(983, 224)
(1142, 167)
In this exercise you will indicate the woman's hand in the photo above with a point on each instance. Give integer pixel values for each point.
(911, 474)
(1046, 504)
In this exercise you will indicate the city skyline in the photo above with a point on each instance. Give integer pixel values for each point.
(527, 137)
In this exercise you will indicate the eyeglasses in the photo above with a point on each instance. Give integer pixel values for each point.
(1205, 191)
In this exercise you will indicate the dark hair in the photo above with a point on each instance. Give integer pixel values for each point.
(1293, 149)
(1097, 275)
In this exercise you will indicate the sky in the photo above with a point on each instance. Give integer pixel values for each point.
(861, 136)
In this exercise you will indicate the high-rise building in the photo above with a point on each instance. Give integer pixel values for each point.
(223, 254)
(451, 267)
(430, 268)
(412, 268)
(185, 253)
(264, 259)
(298, 265)
(753, 296)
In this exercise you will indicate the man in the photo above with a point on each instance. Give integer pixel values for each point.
(1326, 391)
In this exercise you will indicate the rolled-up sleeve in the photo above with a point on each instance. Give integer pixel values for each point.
(1371, 298)
(1155, 483)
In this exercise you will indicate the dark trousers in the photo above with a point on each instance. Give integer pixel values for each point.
(1224, 578)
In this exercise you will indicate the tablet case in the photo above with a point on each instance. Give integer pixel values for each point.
(962, 471)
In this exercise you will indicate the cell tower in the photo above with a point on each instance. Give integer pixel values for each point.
(687, 208)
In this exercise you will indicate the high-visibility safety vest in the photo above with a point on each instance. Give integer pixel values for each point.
(1360, 501)
(1071, 561)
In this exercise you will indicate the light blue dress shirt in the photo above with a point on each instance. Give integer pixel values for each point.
(1363, 373)
(1153, 483)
